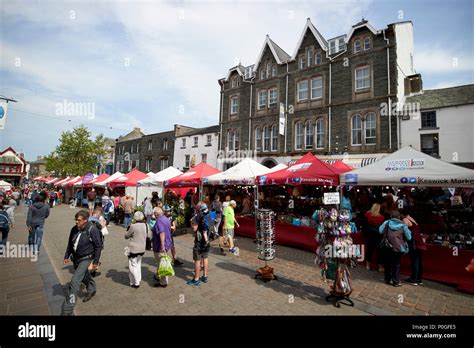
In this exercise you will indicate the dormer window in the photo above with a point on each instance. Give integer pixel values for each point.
(269, 70)
(357, 46)
(235, 82)
(232, 83)
(337, 45)
(367, 43)
(332, 47)
(310, 56)
(342, 44)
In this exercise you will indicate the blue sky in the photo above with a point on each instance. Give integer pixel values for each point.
(152, 64)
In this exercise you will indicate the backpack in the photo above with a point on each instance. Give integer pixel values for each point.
(99, 227)
(4, 220)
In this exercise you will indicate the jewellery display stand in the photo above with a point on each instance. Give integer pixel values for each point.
(265, 239)
(335, 252)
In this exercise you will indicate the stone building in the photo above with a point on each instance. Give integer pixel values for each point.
(334, 98)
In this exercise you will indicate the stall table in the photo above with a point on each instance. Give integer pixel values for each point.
(439, 263)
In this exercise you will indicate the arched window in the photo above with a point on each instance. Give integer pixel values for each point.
(356, 126)
(275, 137)
(367, 43)
(309, 135)
(258, 139)
(320, 134)
(266, 138)
(370, 129)
(357, 46)
(299, 135)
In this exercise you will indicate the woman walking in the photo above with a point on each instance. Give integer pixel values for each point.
(136, 234)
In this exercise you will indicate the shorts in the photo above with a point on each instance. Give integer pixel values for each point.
(91, 204)
(229, 233)
(200, 253)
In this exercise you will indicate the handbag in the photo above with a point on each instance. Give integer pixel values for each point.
(385, 243)
(165, 269)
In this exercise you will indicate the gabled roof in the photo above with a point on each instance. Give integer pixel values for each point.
(361, 24)
(317, 35)
(14, 158)
(444, 97)
(280, 55)
(240, 70)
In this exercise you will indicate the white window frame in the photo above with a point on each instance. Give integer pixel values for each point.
(372, 129)
(183, 143)
(310, 57)
(162, 163)
(262, 99)
(317, 88)
(274, 138)
(341, 44)
(308, 133)
(165, 144)
(317, 58)
(299, 133)
(258, 139)
(357, 46)
(302, 62)
(234, 105)
(369, 40)
(274, 104)
(262, 74)
(320, 134)
(195, 141)
(230, 140)
(298, 90)
(360, 129)
(187, 161)
(232, 82)
(209, 139)
(204, 157)
(148, 165)
(332, 47)
(267, 138)
(274, 70)
(150, 145)
(363, 78)
(269, 70)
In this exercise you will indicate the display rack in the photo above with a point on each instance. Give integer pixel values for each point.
(265, 239)
(335, 248)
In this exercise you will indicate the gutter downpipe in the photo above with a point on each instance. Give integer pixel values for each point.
(388, 96)
(220, 119)
(286, 107)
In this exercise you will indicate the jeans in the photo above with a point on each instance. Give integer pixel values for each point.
(37, 237)
(81, 275)
(5, 232)
(108, 217)
(392, 266)
(416, 265)
(127, 219)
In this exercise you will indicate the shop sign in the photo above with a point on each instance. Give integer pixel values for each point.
(351, 178)
(331, 198)
(405, 164)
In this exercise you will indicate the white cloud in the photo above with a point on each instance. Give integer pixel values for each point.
(438, 59)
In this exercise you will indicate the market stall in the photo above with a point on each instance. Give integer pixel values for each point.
(154, 183)
(430, 184)
(5, 186)
(129, 182)
(104, 182)
(191, 178)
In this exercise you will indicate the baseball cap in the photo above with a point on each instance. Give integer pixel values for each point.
(167, 207)
(203, 207)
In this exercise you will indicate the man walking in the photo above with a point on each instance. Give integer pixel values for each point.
(201, 248)
(91, 196)
(162, 241)
(169, 215)
(84, 248)
(128, 210)
(38, 212)
(229, 226)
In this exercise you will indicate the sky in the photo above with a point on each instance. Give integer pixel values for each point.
(115, 65)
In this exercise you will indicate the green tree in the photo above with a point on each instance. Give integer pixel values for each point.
(76, 153)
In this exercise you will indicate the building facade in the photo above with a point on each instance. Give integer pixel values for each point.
(333, 97)
(38, 168)
(195, 145)
(443, 124)
(12, 166)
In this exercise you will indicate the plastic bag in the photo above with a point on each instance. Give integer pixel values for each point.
(165, 269)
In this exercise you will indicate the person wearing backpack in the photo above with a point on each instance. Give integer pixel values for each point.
(394, 244)
(417, 248)
(98, 220)
(84, 249)
(4, 225)
(108, 209)
(38, 212)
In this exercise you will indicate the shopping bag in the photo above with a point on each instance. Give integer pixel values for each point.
(165, 268)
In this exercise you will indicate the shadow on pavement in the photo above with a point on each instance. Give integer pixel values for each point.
(302, 292)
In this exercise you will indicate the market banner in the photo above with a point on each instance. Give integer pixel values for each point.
(3, 114)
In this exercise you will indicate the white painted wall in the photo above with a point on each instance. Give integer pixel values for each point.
(404, 38)
(211, 151)
(455, 132)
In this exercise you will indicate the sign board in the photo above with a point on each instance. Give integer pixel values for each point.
(3, 114)
(88, 178)
(331, 198)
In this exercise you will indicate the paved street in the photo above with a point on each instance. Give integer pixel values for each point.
(232, 288)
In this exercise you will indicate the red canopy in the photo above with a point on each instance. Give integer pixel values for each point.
(129, 179)
(341, 167)
(100, 178)
(308, 170)
(193, 177)
(71, 183)
(38, 178)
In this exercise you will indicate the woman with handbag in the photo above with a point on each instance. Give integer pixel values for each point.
(417, 247)
(373, 220)
(137, 235)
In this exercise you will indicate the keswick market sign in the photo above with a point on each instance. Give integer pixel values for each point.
(404, 164)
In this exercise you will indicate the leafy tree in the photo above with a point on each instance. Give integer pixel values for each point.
(76, 153)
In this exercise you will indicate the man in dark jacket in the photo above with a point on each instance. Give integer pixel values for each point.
(84, 248)
(38, 212)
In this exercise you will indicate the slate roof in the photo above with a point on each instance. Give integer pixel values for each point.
(205, 130)
(444, 97)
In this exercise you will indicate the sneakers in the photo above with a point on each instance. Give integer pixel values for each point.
(177, 263)
(204, 279)
(397, 284)
(234, 251)
(193, 282)
(412, 282)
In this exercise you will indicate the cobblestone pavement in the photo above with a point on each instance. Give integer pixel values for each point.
(232, 288)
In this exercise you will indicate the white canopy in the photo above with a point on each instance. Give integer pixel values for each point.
(409, 167)
(160, 177)
(243, 173)
(278, 167)
(5, 185)
(109, 179)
